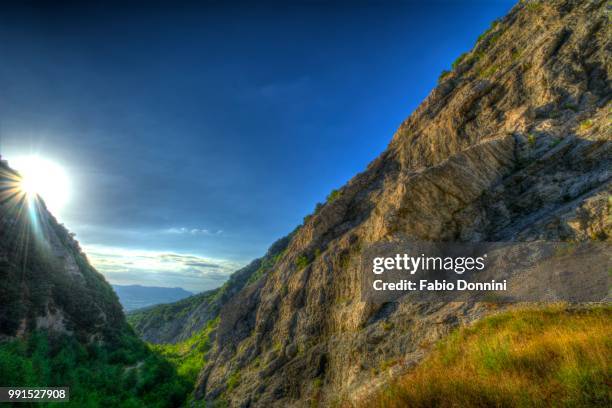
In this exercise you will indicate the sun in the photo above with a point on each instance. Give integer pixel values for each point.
(43, 178)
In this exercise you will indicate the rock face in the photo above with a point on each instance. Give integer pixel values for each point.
(46, 281)
(514, 144)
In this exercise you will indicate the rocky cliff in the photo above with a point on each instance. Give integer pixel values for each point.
(513, 145)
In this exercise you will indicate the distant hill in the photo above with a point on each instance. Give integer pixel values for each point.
(134, 297)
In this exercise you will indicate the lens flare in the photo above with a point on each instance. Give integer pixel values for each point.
(45, 179)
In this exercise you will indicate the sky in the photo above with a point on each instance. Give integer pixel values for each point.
(195, 135)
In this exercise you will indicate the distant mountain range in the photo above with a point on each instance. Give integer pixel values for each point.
(134, 297)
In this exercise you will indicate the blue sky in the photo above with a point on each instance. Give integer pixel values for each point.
(196, 135)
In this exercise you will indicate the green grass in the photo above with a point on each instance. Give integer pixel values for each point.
(555, 356)
(189, 356)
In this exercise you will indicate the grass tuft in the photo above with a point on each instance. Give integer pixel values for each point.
(586, 124)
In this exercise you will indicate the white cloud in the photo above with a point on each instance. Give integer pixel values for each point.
(151, 268)
(192, 231)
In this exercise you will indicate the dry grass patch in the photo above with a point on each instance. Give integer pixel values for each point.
(556, 356)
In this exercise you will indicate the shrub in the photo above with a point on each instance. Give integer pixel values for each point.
(333, 196)
(302, 261)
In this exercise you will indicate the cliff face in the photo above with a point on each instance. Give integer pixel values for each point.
(46, 282)
(513, 145)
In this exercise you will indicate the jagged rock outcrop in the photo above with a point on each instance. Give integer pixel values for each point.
(514, 144)
(46, 282)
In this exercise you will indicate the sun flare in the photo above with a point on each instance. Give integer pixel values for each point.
(43, 178)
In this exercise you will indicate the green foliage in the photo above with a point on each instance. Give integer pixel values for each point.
(494, 24)
(27, 257)
(160, 314)
(459, 60)
(302, 261)
(333, 196)
(125, 373)
(267, 264)
(189, 356)
(387, 326)
(385, 365)
(233, 380)
(488, 72)
(516, 54)
(443, 75)
(586, 124)
(531, 139)
(533, 5)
